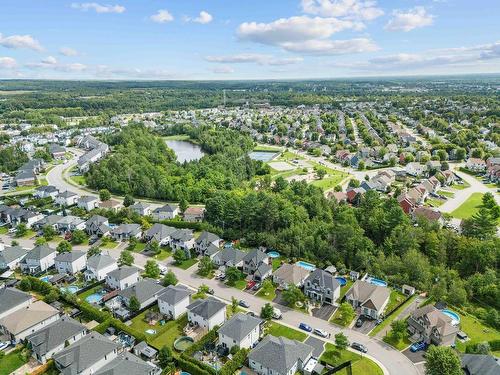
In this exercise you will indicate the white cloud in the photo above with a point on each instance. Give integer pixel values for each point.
(260, 59)
(352, 9)
(203, 18)
(223, 69)
(66, 51)
(104, 71)
(7, 63)
(162, 16)
(413, 18)
(99, 8)
(20, 41)
(50, 60)
(333, 47)
(51, 63)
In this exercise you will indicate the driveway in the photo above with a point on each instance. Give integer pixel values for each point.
(416, 357)
(324, 312)
(367, 326)
(317, 344)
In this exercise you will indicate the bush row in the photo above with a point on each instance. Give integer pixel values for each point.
(235, 363)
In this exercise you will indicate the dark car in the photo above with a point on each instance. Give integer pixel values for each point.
(305, 327)
(359, 322)
(210, 291)
(257, 286)
(93, 240)
(360, 347)
(244, 304)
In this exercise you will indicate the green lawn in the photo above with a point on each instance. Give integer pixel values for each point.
(168, 333)
(345, 288)
(445, 193)
(469, 207)
(336, 319)
(389, 320)
(267, 294)
(463, 186)
(4, 230)
(239, 284)
(164, 254)
(109, 245)
(11, 362)
(177, 137)
(399, 344)
(434, 202)
(476, 331)
(332, 179)
(89, 292)
(395, 299)
(278, 330)
(186, 264)
(139, 246)
(29, 233)
(360, 365)
(266, 148)
(287, 155)
(79, 180)
(276, 263)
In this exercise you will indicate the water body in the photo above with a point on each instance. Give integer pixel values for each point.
(263, 155)
(185, 151)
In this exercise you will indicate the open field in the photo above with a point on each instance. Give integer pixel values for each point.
(278, 330)
(360, 365)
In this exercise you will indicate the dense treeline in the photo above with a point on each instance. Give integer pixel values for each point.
(141, 164)
(11, 158)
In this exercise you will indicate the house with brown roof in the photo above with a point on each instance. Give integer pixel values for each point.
(432, 326)
(289, 274)
(194, 214)
(429, 214)
(371, 299)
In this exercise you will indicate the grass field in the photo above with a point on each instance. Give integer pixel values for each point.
(399, 344)
(433, 202)
(470, 207)
(79, 180)
(267, 294)
(360, 365)
(11, 362)
(186, 264)
(476, 331)
(266, 148)
(395, 299)
(278, 330)
(463, 186)
(4, 230)
(345, 288)
(109, 245)
(164, 254)
(337, 319)
(139, 246)
(445, 193)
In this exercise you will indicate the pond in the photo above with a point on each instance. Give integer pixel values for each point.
(185, 151)
(263, 155)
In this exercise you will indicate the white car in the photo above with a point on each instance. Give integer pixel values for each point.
(4, 345)
(163, 269)
(321, 333)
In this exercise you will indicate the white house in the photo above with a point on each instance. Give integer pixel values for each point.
(98, 266)
(11, 257)
(241, 330)
(476, 164)
(39, 259)
(369, 298)
(146, 292)
(141, 208)
(46, 191)
(12, 299)
(87, 202)
(71, 263)
(321, 286)
(415, 169)
(182, 239)
(122, 277)
(166, 212)
(174, 301)
(66, 198)
(207, 313)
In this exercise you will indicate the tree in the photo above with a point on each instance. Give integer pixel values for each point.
(134, 304)
(321, 173)
(361, 165)
(126, 258)
(179, 256)
(165, 358)
(489, 200)
(78, 237)
(234, 304)
(40, 241)
(442, 360)
(267, 286)
(104, 195)
(398, 329)
(94, 250)
(132, 242)
(128, 200)
(205, 266)
(341, 341)
(183, 204)
(460, 153)
(21, 230)
(52, 296)
(233, 274)
(48, 232)
(64, 247)
(152, 270)
(481, 225)
(25, 285)
(292, 295)
(154, 247)
(353, 183)
(346, 312)
(169, 279)
(267, 311)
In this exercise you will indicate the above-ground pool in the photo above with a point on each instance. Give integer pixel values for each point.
(95, 298)
(183, 342)
(273, 254)
(46, 278)
(305, 265)
(374, 281)
(453, 315)
(70, 289)
(342, 281)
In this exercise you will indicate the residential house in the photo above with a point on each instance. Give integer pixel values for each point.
(87, 355)
(92, 156)
(207, 313)
(174, 301)
(98, 266)
(12, 299)
(475, 164)
(207, 242)
(97, 226)
(371, 299)
(146, 291)
(229, 257)
(53, 338)
(25, 178)
(415, 169)
(321, 286)
(87, 202)
(432, 326)
(194, 214)
(433, 165)
(11, 257)
(480, 364)
(141, 208)
(130, 364)
(39, 259)
(110, 204)
(66, 198)
(71, 262)
(122, 277)
(28, 319)
(70, 223)
(290, 274)
(182, 239)
(279, 356)
(57, 151)
(262, 272)
(46, 191)
(429, 214)
(253, 259)
(242, 331)
(125, 232)
(159, 233)
(167, 212)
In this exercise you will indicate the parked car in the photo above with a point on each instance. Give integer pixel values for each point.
(251, 313)
(257, 286)
(4, 345)
(250, 284)
(210, 291)
(305, 327)
(163, 269)
(244, 304)
(359, 322)
(12, 230)
(418, 346)
(321, 333)
(360, 347)
(93, 240)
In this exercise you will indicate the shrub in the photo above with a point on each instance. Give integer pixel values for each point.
(235, 363)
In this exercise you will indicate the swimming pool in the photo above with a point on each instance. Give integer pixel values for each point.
(453, 315)
(374, 281)
(185, 373)
(305, 265)
(342, 281)
(95, 298)
(273, 254)
(70, 289)
(151, 331)
(46, 278)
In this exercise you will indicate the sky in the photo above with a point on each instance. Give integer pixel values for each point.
(247, 39)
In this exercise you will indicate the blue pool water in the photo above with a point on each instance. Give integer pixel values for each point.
(453, 315)
(374, 281)
(342, 281)
(70, 289)
(95, 298)
(305, 265)
(273, 254)
(185, 373)
(45, 278)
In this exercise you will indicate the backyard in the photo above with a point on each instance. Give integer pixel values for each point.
(360, 365)
(12, 361)
(477, 331)
(278, 330)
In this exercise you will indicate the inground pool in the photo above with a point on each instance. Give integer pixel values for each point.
(273, 254)
(46, 278)
(374, 281)
(95, 298)
(70, 289)
(453, 315)
(342, 280)
(185, 373)
(305, 265)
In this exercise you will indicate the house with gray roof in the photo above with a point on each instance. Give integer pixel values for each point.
(206, 241)
(87, 355)
(66, 198)
(46, 191)
(160, 233)
(97, 226)
(167, 212)
(125, 232)
(242, 330)
(174, 300)
(98, 266)
(39, 259)
(146, 291)
(141, 208)
(12, 299)
(290, 274)
(207, 313)
(87, 202)
(279, 356)
(229, 257)
(262, 272)
(253, 259)
(122, 277)
(53, 338)
(321, 286)
(25, 178)
(70, 223)
(480, 364)
(130, 364)
(369, 298)
(182, 239)
(432, 326)
(11, 257)
(71, 262)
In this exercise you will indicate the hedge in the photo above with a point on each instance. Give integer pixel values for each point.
(183, 224)
(191, 366)
(494, 345)
(102, 327)
(235, 363)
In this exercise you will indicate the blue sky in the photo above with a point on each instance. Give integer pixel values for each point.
(240, 39)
